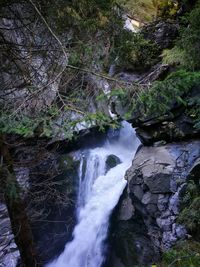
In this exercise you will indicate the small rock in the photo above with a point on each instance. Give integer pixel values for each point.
(163, 202)
(149, 198)
(179, 230)
(111, 162)
(165, 224)
(168, 240)
(174, 203)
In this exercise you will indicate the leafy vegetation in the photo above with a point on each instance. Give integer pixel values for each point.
(80, 14)
(142, 9)
(186, 52)
(85, 27)
(44, 125)
(130, 49)
(184, 254)
(101, 18)
(165, 95)
(175, 56)
(190, 213)
(102, 42)
(148, 10)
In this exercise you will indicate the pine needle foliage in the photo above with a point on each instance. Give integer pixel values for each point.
(186, 52)
(167, 94)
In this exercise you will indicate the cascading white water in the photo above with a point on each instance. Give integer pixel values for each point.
(99, 192)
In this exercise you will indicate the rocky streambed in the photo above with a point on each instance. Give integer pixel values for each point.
(144, 225)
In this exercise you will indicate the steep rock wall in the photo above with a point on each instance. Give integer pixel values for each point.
(146, 224)
(31, 59)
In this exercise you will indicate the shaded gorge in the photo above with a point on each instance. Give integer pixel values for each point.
(101, 183)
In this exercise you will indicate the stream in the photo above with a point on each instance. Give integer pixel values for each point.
(100, 187)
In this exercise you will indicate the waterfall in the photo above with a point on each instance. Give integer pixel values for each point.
(99, 191)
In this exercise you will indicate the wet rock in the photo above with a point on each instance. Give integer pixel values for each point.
(134, 176)
(111, 162)
(40, 68)
(174, 203)
(128, 76)
(152, 210)
(132, 244)
(157, 72)
(52, 178)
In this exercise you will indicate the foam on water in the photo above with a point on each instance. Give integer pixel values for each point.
(99, 192)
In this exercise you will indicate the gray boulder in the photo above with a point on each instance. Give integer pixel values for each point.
(150, 205)
(111, 162)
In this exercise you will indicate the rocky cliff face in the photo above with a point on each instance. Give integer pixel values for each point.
(146, 224)
(51, 178)
(9, 253)
(30, 61)
(29, 83)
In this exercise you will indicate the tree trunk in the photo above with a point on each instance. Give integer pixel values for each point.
(16, 210)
